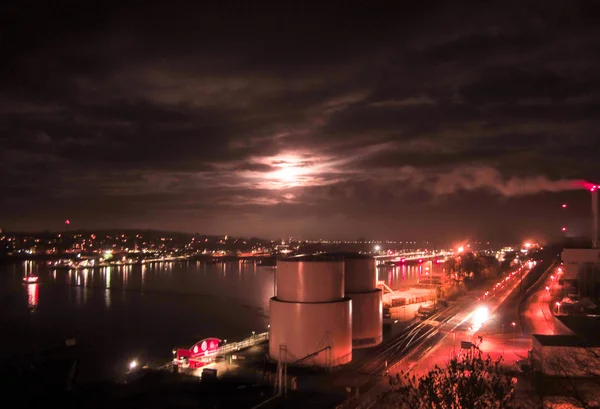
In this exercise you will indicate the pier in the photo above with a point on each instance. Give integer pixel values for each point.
(210, 358)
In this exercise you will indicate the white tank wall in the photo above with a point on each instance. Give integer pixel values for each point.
(360, 274)
(306, 328)
(367, 319)
(318, 281)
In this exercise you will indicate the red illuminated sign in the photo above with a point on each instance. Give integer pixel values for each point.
(201, 353)
(206, 347)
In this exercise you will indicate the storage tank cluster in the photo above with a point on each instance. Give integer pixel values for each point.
(325, 305)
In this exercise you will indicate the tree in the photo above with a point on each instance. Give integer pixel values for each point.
(471, 382)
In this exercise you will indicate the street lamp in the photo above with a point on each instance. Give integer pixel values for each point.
(132, 365)
(514, 325)
(453, 343)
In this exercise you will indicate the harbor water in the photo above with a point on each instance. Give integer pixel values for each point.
(139, 312)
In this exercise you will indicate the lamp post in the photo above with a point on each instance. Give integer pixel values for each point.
(453, 343)
(514, 325)
(504, 339)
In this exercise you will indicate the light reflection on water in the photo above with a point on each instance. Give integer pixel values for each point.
(406, 275)
(118, 311)
(32, 296)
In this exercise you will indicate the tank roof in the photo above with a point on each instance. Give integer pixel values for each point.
(327, 257)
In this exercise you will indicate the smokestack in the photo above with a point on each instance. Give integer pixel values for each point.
(594, 190)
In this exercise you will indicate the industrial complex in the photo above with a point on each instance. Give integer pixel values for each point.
(324, 305)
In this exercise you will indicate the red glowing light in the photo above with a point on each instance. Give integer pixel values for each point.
(564, 229)
(592, 187)
(420, 260)
(564, 206)
(67, 222)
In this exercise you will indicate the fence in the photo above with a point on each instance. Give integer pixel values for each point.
(247, 343)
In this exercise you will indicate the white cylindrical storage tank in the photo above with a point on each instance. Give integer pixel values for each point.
(300, 279)
(312, 333)
(311, 319)
(360, 284)
(367, 319)
(360, 274)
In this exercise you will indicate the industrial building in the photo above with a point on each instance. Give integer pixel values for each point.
(573, 351)
(325, 304)
(582, 266)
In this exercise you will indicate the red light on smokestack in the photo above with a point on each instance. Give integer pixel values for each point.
(564, 229)
(564, 206)
(67, 222)
(594, 191)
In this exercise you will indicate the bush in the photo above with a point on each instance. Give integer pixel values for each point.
(468, 383)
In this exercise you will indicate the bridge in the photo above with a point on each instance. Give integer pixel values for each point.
(414, 255)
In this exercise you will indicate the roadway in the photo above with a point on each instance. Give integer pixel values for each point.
(421, 345)
(535, 311)
(433, 341)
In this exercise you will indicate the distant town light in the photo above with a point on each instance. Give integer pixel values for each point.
(377, 247)
(132, 365)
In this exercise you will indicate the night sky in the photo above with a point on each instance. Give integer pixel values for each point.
(436, 121)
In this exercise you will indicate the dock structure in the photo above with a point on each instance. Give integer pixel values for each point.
(210, 356)
(252, 340)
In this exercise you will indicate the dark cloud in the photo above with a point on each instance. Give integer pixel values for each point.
(294, 120)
